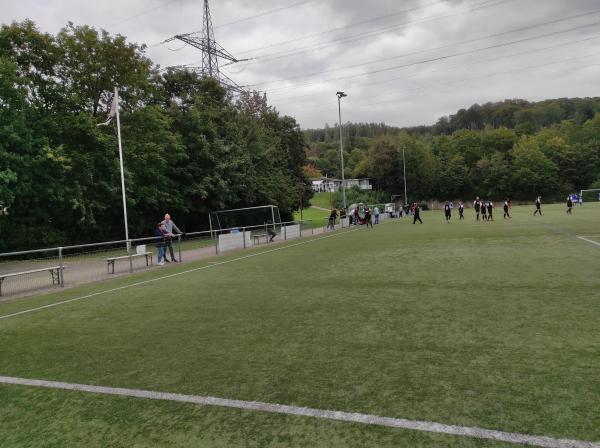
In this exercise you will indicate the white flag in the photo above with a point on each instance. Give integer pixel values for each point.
(111, 113)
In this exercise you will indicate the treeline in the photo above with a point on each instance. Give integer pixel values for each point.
(189, 147)
(493, 163)
(525, 117)
(352, 132)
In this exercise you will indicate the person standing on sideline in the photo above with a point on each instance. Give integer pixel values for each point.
(169, 227)
(507, 209)
(160, 233)
(569, 205)
(342, 215)
(416, 213)
(461, 211)
(483, 210)
(332, 217)
(477, 206)
(447, 212)
(376, 214)
(368, 222)
(490, 210)
(356, 216)
(538, 206)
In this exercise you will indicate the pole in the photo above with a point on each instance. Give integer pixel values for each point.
(179, 245)
(122, 172)
(61, 267)
(404, 166)
(342, 152)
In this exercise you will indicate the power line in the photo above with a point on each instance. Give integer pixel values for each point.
(445, 69)
(287, 53)
(452, 55)
(352, 37)
(262, 14)
(492, 75)
(333, 30)
(489, 36)
(462, 80)
(143, 13)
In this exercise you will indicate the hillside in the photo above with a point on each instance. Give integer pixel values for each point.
(511, 148)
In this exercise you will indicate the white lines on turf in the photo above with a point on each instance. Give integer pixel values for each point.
(144, 282)
(588, 240)
(416, 425)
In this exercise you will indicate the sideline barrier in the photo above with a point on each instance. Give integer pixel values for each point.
(26, 273)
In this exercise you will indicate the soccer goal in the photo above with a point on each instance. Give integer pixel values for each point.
(243, 227)
(245, 217)
(592, 195)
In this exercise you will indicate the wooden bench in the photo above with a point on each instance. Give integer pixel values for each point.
(110, 262)
(55, 272)
(257, 236)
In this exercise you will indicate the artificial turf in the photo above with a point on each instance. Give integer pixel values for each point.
(478, 324)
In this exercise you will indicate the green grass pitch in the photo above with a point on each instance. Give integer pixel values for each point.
(494, 325)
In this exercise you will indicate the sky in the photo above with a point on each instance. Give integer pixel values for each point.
(401, 62)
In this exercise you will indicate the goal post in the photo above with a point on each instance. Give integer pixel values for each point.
(591, 195)
(245, 217)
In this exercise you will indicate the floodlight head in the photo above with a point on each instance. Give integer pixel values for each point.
(341, 94)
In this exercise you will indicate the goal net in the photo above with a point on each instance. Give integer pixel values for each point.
(592, 195)
(246, 217)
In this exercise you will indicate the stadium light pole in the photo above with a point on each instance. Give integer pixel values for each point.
(341, 95)
(404, 167)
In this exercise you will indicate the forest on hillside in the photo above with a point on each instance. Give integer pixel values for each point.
(513, 148)
(189, 147)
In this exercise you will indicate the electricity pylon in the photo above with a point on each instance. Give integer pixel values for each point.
(211, 50)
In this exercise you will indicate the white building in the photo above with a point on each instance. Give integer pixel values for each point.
(329, 185)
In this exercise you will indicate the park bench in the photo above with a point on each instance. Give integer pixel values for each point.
(55, 272)
(140, 251)
(257, 236)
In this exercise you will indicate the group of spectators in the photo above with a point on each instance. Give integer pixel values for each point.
(355, 218)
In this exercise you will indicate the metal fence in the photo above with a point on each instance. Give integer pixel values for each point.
(29, 272)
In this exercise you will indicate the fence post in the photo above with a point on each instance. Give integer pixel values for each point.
(216, 244)
(61, 269)
(179, 245)
(130, 255)
(284, 234)
(244, 236)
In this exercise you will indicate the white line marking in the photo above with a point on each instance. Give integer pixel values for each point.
(416, 425)
(220, 263)
(589, 241)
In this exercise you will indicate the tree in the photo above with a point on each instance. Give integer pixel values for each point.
(532, 172)
(384, 165)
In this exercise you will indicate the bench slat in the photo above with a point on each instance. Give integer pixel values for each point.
(127, 256)
(32, 271)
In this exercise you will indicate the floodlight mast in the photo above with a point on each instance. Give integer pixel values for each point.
(341, 95)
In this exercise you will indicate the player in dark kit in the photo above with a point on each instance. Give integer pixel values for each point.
(447, 211)
(477, 206)
(417, 213)
(569, 205)
(461, 211)
(368, 217)
(506, 209)
(483, 211)
(490, 210)
(538, 206)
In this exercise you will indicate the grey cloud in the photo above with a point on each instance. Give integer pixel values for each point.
(404, 96)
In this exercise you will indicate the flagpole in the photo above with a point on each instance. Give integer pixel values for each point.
(122, 173)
